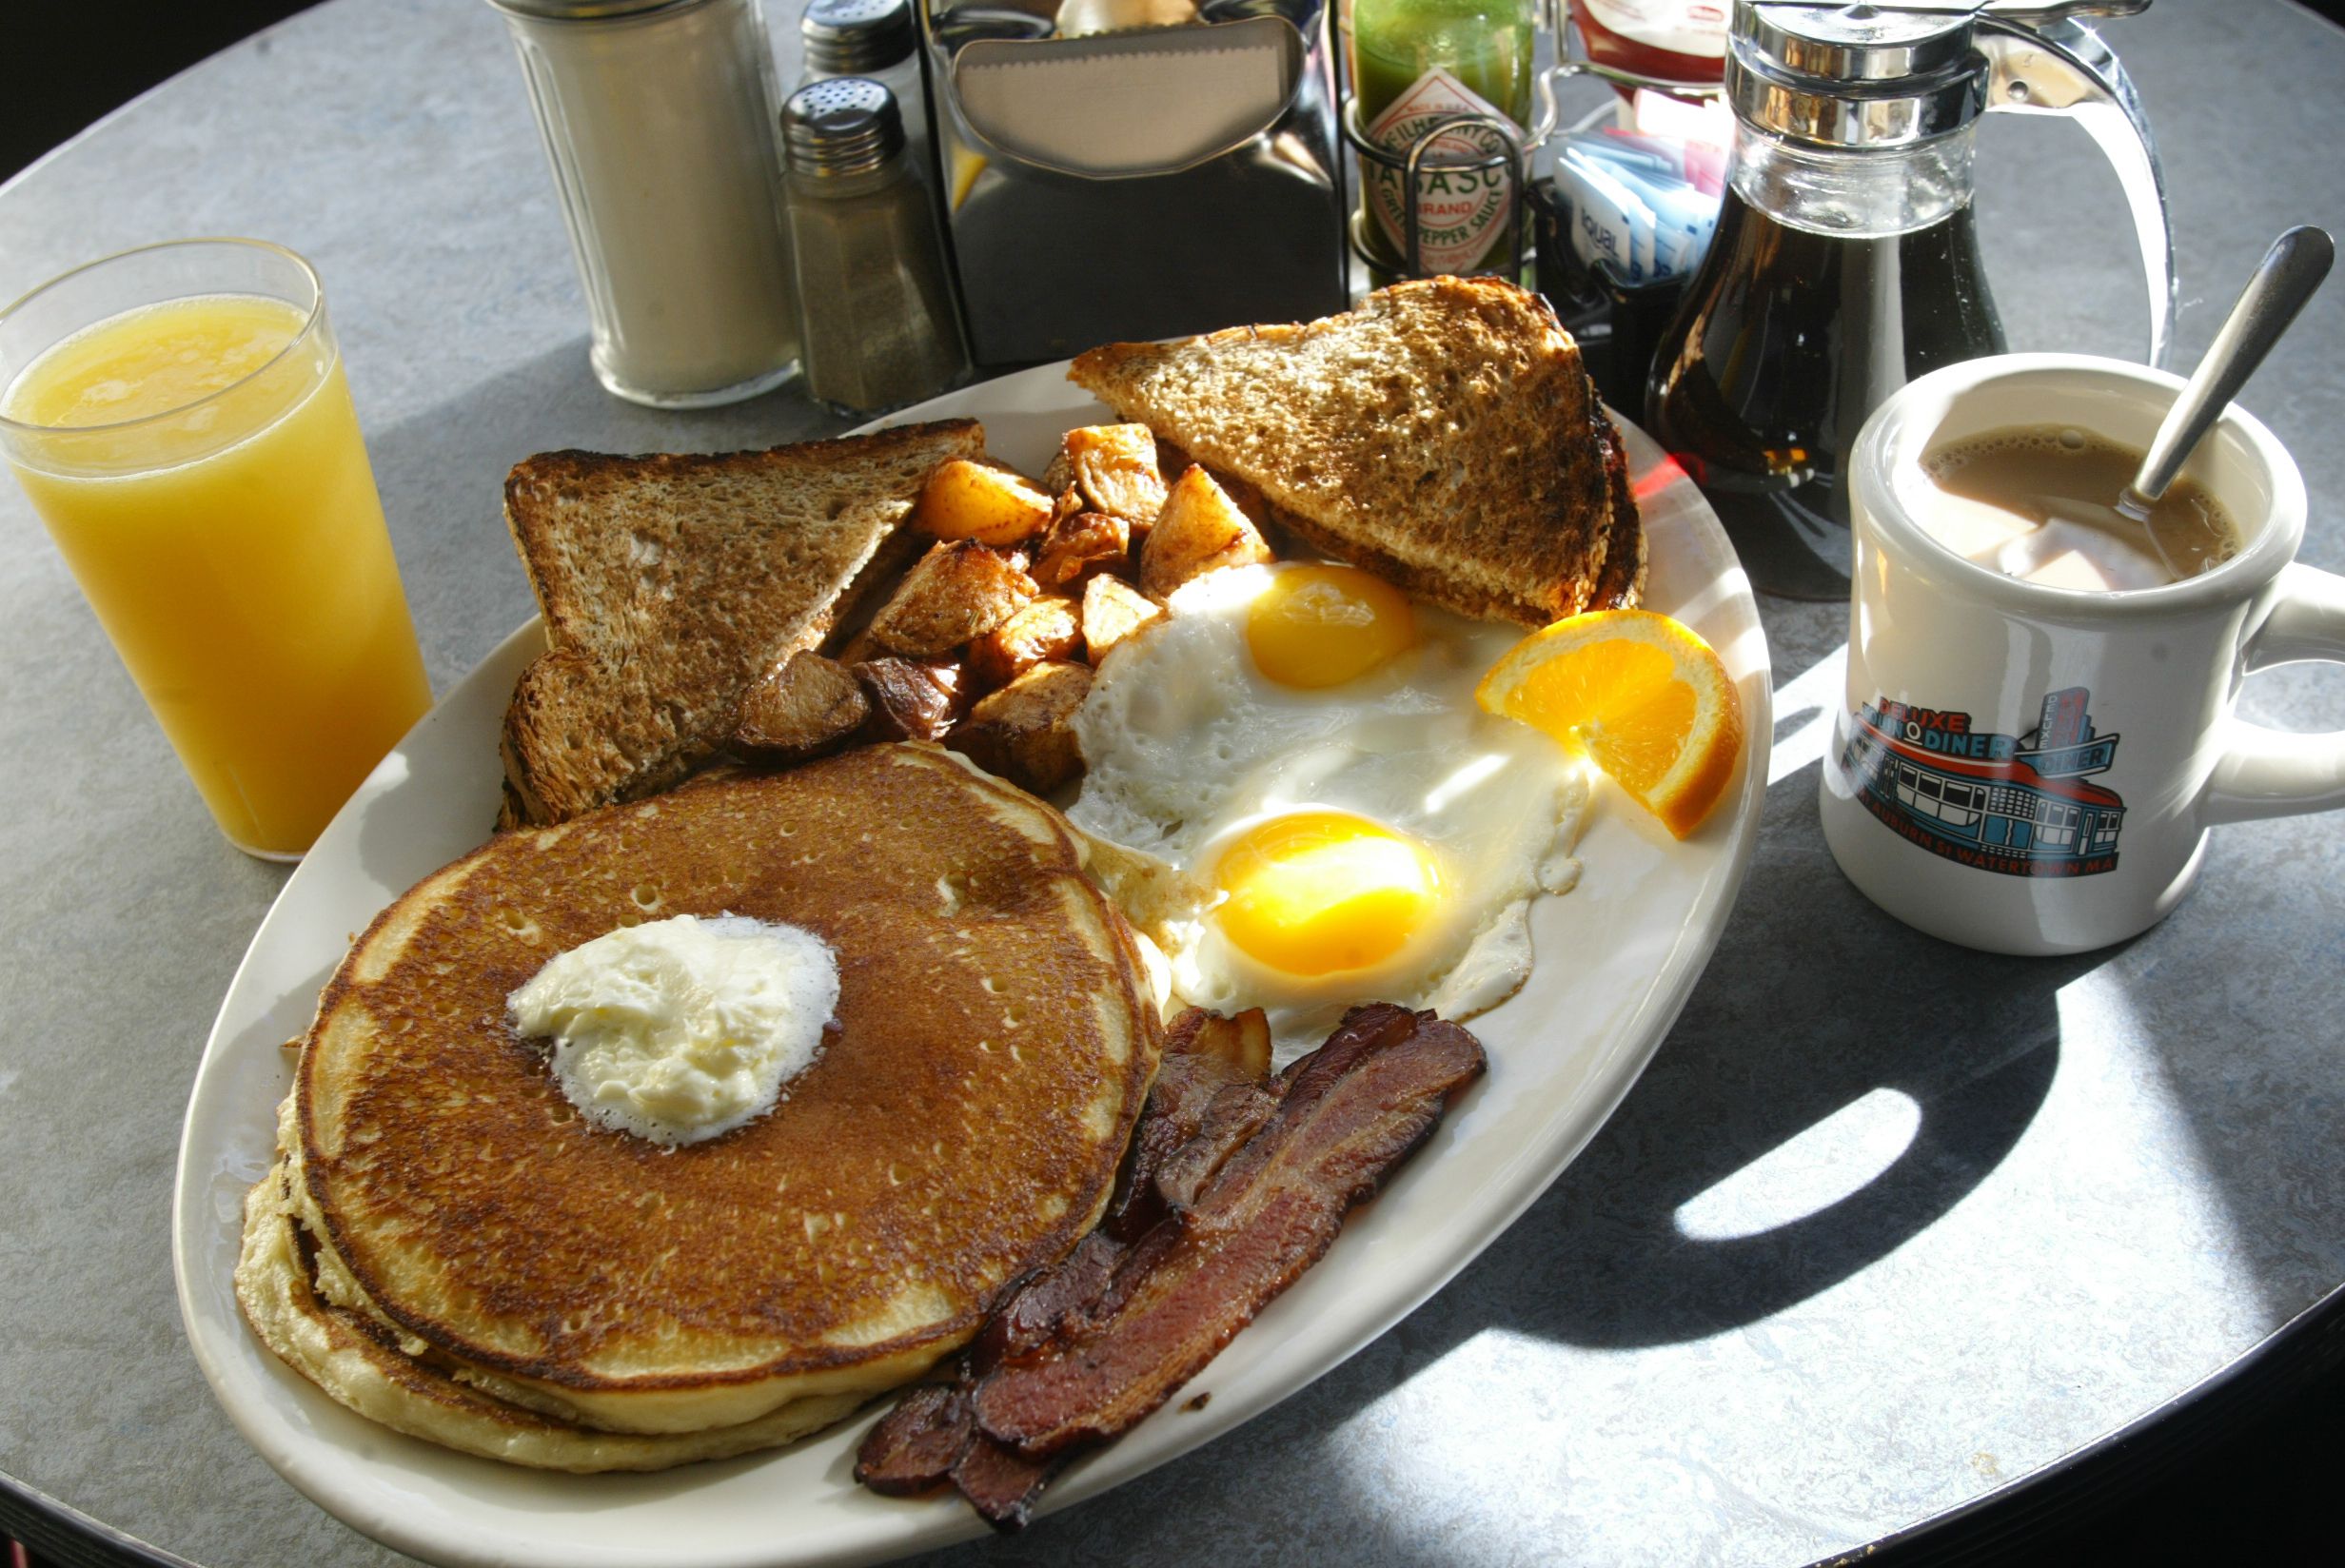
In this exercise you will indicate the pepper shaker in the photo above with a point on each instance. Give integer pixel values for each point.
(877, 40)
(880, 329)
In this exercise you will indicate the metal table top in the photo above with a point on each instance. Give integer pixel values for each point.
(1886, 1225)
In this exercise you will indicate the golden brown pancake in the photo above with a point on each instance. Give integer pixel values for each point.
(439, 1199)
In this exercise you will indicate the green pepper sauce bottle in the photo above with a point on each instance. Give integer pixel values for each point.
(1413, 61)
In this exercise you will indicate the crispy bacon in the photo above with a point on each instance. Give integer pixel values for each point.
(1348, 1115)
(1001, 1483)
(916, 1445)
(929, 1438)
(1178, 1107)
(1236, 1185)
(1030, 1318)
(1236, 1113)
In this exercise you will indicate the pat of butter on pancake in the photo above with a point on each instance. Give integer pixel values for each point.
(683, 1028)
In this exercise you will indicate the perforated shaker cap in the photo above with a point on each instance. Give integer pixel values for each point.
(1874, 76)
(848, 124)
(857, 37)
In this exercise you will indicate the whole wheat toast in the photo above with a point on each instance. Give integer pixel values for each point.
(670, 583)
(1444, 433)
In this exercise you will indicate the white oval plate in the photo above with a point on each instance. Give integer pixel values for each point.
(1615, 961)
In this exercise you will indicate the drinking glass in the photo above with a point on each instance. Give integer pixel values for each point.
(179, 418)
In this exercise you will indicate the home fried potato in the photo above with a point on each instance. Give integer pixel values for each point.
(1112, 610)
(807, 707)
(1080, 542)
(1249, 499)
(960, 590)
(983, 502)
(913, 698)
(1112, 468)
(1048, 627)
(1024, 732)
(1200, 530)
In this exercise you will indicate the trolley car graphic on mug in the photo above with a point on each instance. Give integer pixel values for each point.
(2014, 805)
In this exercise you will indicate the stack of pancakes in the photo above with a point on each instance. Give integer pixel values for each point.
(448, 1246)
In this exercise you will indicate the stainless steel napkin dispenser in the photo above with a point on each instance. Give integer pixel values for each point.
(1138, 182)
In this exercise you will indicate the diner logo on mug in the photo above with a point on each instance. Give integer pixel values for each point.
(2014, 805)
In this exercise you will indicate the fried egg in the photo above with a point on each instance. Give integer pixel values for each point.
(1302, 739)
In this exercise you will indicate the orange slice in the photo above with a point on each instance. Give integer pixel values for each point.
(1639, 695)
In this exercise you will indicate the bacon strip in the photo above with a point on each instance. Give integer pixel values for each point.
(1180, 1108)
(1347, 1115)
(916, 1445)
(930, 1438)
(1032, 1315)
(1000, 1484)
(1236, 1185)
(1236, 1113)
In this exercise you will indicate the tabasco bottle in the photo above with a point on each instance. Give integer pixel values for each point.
(1413, 61)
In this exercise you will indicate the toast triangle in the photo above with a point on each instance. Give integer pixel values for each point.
(672, 582)
(1444, 433)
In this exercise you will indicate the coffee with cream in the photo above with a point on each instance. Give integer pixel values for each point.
(2040, 502)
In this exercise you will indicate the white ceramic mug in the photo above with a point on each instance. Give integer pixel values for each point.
(2033, 770)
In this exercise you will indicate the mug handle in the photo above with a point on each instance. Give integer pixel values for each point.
(2274, 773)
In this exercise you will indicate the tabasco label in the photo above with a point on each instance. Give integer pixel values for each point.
(1461, 212)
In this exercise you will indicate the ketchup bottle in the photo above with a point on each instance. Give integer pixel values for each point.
(1670, 40)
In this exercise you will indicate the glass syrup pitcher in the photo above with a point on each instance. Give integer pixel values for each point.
(1846, 261)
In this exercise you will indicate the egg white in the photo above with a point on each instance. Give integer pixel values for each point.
(1187, 745)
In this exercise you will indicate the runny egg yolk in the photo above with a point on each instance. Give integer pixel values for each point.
(1317, 626)
(1314, 892)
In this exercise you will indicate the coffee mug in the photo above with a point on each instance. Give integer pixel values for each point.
(2029, 769)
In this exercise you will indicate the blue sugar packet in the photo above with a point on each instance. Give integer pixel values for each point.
(1628, 204)
(1610, 222)
(1684, 220)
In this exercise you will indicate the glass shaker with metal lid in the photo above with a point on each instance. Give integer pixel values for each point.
(1846, 261)
(658, 118)
(880, 328)
(878, 40)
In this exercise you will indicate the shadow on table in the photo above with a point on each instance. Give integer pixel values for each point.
(1814, 1000)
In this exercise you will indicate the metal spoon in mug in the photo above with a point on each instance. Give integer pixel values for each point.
(2290, 271)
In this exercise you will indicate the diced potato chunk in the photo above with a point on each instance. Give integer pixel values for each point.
(982, 501)
(809, 706)
(960, 590)
(913, 698)
(1049, 627)
(1200, 530)
(1079, 542)
(1112, 610)
(1113, 467)
(1024, 732)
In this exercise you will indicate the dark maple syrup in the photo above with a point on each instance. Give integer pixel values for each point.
(1788, 338)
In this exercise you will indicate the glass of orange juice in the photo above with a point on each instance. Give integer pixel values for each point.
(179, 418)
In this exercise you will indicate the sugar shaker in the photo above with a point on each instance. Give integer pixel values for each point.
(880, 329)
(657, 119)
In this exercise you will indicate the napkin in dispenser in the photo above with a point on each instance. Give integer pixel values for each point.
(1136, 184)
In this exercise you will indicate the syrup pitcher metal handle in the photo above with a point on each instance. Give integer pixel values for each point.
(2061, 66)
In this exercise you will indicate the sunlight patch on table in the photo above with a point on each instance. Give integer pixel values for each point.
(1808, 701)
(1824, 1163)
